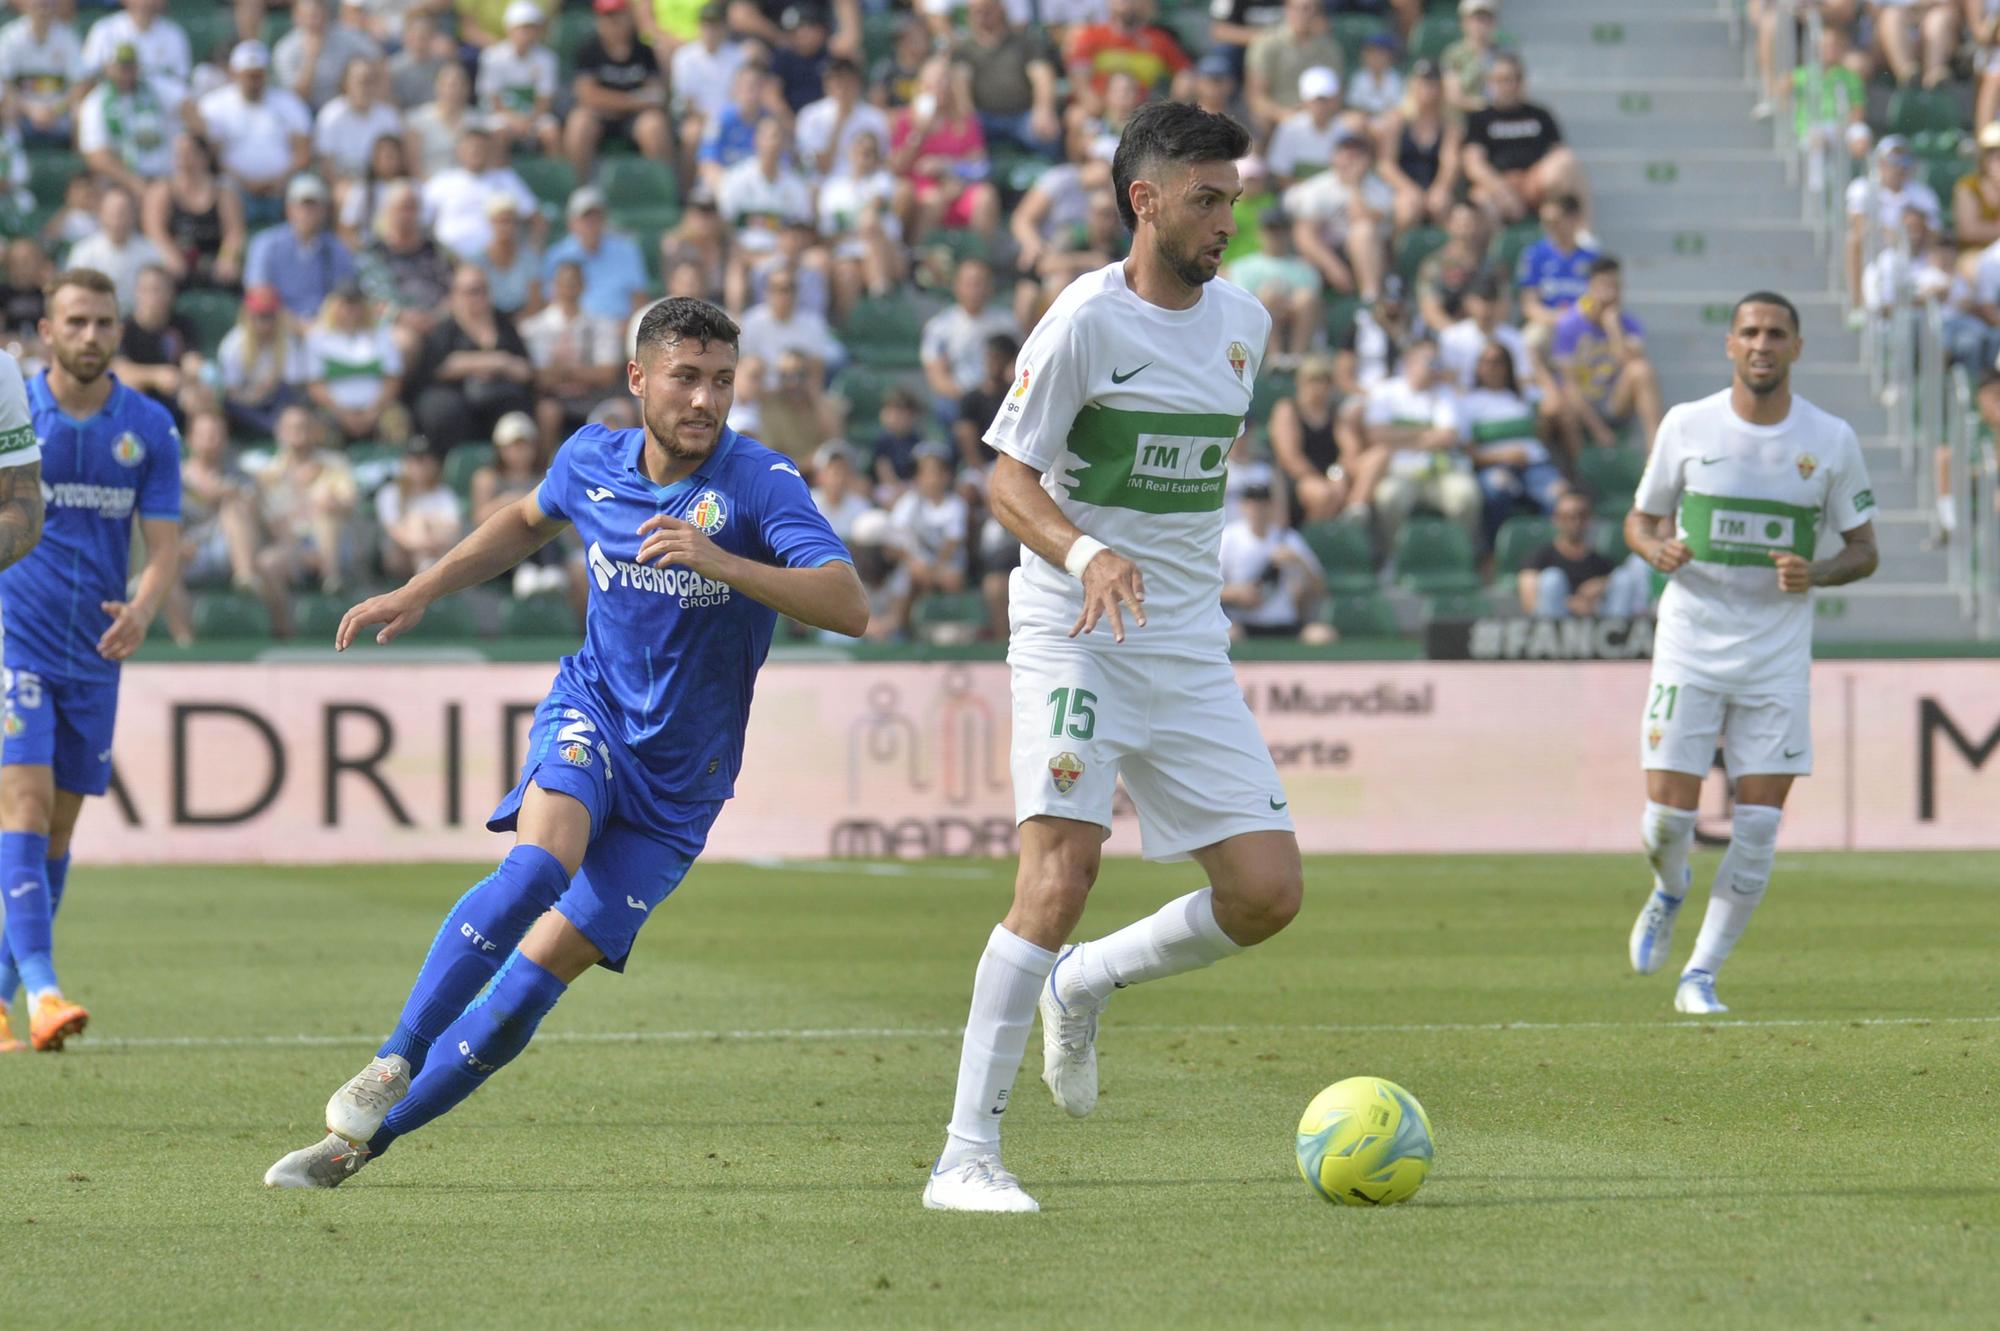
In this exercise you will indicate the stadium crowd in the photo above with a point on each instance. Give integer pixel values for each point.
(381, 257)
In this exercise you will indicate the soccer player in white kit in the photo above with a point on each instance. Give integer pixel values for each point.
(1112, 444)
(1739, 492)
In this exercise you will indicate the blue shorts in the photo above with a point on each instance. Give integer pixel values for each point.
(61, 723)
(640, 847)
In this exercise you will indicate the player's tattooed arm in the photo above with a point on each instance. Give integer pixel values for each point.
(20, 511)
(1855, 560)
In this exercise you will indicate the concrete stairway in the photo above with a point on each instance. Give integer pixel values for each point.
(1693, 197)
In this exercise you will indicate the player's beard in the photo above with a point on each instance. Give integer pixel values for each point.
(1185, 265)
(74, 365)
(1775, 380)
(666, 431)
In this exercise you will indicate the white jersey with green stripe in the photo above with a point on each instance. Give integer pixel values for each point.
(1129, 410)
(1739, 494)
(18, 443)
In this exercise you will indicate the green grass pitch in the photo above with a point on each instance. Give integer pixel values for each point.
(736, 1133)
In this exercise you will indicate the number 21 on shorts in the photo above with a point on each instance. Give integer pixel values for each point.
(1662, 706)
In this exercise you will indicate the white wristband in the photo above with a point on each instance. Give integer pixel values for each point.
(1081, 552)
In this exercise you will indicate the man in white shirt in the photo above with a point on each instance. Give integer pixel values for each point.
(1415, 416)
(1303, 142)
(953, 349)
(703, 71)
(1272, 584)
(579, 357)
(312, 58)
(1340, 221)
(162, 45)
(517, 81)
(928, 533)
(762, 193)
(41, 64)
(125, 127)
(263, 135)
(455, 201)
(779, 325)
(346, 128)
(1878, 201)
(1484, 321)
(828, 127)
(117, 249)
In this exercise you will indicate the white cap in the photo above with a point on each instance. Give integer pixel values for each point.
(514, 427)
(252, 54)
(1319, 81)
(523, 12)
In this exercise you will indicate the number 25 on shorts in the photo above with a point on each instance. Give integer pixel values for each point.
(1071, 713)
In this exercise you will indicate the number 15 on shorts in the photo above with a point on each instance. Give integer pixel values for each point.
(1072, 713)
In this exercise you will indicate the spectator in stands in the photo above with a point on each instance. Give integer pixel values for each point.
(1554, 271)
(857, 216)
(1272, 583)
(1304, 140)
(481, 23)
(404, 272)
(929, 521)
(1908, 29)
(516, 470)
(512, 262)
(1341, 220)
(700, 239)
(953, 349)
(704, 71)
(415, 68)
(1975, 199)
(358, 201)
(613, 267)
(779, 325)
(516, 87)
(1972, 310)
(578, 353)
(76, 218)
(41, 67)
(1286, 285)
(892, 80)
(978, 405)
(936, 147)
(432, 131)
(1514, 152)
(1275, 61)
(311, 60)
(1128, 41)
(1503, 436)
(195, 219)
(260, 366)
(158, 353)
(828, 127)
(220, 532)
(1484, 322)
(455, 201)
(161, 43)
(418, 513)
(763, 193)
(894, 460)
(1419, 150)
(1099, 240)
(838, 490)
(1054, 206)
(1414, 416)
(1600, 352)
(801, 35)
(1878, 203)
(306, 499)
(795, 415)
(1214, 87)
(1092, 128)
(1843, 103)
(354, 370)
(300, 256)
(473, 367)
(348, 127)
(1377, 87)
(1305, 447)
(117, 249)
(1468, 62)
(23, 300)
(617, 93)
(1570, 576)
(1011, 75)
(262, 135)
(731, 137)
(126, 127)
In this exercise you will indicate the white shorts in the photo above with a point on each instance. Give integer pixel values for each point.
(1761, 734)
(1176, 729)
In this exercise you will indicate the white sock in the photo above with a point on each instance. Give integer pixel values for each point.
(1180, 936)
(1004, 989)
(1739, 885)
(1947, 512)
(1668, 834)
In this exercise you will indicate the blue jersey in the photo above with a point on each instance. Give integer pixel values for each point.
(1558, 278)
(669, 656)
(95, 474)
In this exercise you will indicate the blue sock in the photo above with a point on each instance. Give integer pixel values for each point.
(477, 935)
(24, 870)
(497, 1026)
(10, 975)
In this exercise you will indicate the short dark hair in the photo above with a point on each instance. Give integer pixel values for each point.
(1765, 298)
(1004, 343)
(1567, 204)
(89, 279)
(1604, 263)
(683, 318)
(1511, 58)
(1177, 132)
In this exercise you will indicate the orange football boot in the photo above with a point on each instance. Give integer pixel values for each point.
(56, 1020)
(8, 1044)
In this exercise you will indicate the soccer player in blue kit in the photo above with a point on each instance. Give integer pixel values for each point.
(108, 452)
(697, 538)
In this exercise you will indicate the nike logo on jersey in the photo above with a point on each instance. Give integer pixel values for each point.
(1710, 462)
(1278, 804)
(1118, 378)
(598, 493)
(1793, 753)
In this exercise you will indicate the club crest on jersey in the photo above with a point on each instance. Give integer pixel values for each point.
(708, 514)
(1239, 357)
(1653, 738)
(1808, 464)
(1065, 770)
(14, 725)
(128, 450)
(574, 752)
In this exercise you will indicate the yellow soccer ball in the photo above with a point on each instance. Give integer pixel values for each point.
(1365, 1142)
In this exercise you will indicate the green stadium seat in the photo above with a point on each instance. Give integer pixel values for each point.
(461, 462)
(1272, 387)
(1519, 537)
(315, 616)
(549, 177)
(453, 617)
(1189, 27)
(1915, 110)
(640, 194)
(1507, 246)
(226, 615)
(885, 331)
(878, 35)
(213, 314)
(1350, 30)
(1457, 605)
(1433, 35)
(948, 616)
(211, 30)
(537, 617)
(1364, 615)
(1344, 552)
(49, 172)
(1340, 312)
(864, 387)
(1611, 475)
(1414, 246)
(1433, 555)
(572, 28)
(276, 24)
(1942, 174)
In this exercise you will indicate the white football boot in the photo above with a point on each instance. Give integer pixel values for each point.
(1696, 995)
(1069, 1039)
(357, 1109)
(1653, 931)
(978, 1184)
(327, 1163)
